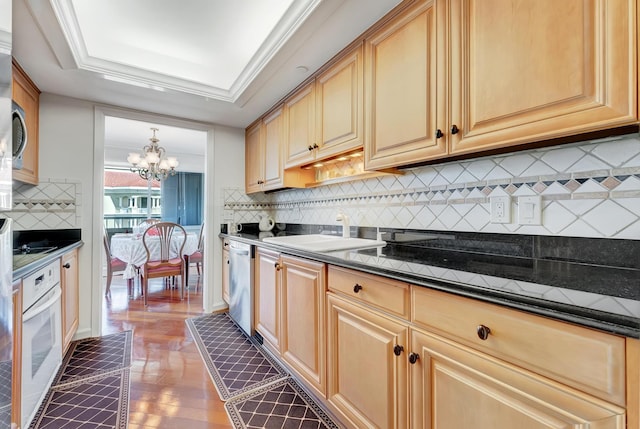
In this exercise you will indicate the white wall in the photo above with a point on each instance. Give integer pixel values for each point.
(71, 149)
(66, 153)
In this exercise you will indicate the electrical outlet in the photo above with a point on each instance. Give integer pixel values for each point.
(227, 215)
(530, 210)
(500, 209)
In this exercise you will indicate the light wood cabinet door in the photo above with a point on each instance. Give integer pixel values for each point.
(267, 296)
(273, 150)
(529, 71)
(300, 128)
(225, 275)
(339, 104)
(27, 95)
(367, 382)
(70, 296)
(254, 158)
(454, 387)
(303, 319)
(402, 65)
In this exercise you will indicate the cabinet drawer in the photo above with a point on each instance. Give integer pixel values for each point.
(586, 359)
(389, 295)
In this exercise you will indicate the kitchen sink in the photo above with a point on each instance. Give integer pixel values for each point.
(323, 242)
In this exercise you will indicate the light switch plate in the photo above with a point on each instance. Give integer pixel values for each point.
(530, 210)
(500, 209)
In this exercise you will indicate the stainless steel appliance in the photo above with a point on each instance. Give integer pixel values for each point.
(241, 258)
(19, 134)
(41, 336)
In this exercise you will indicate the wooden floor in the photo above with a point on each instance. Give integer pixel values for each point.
(170, 386)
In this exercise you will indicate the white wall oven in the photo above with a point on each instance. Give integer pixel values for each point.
(41, 336)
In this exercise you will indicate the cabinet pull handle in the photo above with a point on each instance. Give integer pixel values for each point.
(398, 349)
(439, 133)
(413, 358)
(310, 148)
(277, 266)
(357, 288)
(483, 332)
(455, 129)
(315, 146)
(67, 265)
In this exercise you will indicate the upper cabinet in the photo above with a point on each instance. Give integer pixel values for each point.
(339, 102)
(264, 170)
(325, 116)
(445, 78)
(300, 129)
(535, 70)
(27, 96)
(402, 102)
(461, 76)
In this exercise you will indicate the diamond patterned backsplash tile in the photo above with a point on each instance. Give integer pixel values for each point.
(52, 204)
(588, 189)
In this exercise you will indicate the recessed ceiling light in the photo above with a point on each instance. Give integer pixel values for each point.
(302, 69)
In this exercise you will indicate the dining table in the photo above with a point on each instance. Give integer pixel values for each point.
(130, 249)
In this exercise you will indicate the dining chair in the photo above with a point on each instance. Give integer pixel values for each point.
(113, 265)
(165, 265)
(197, 256)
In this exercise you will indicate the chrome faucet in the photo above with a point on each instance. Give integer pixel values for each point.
(345, 224)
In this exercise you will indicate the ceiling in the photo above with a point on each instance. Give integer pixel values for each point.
(216, 61)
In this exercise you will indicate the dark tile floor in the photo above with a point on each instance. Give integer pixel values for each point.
(235, 364)
(283, 405)
(91, 388)
(259, 393)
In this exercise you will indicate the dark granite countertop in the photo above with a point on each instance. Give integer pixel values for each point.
(58, 241)
(591, 282)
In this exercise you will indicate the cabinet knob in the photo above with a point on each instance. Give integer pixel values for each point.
(315, 146)
(439, 133)
(454, 129)
(398, 349)
(277, 266)
(310, 148)
(67, 265)
(227, 262)
(260, 182)
(413, 358)
(483, 332)
(357, 288)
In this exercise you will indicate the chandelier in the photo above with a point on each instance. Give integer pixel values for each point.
(152, 164)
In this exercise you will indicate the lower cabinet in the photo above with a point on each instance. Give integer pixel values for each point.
(453, 386)
(380, 353)
(267, 296)
(225, 271)
(303, 319)
(367, 366)
(290, 313)
(70, 297)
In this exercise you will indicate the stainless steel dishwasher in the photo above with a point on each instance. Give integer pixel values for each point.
(241, 258)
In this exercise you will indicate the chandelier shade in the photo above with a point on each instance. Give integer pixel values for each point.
(152, 164)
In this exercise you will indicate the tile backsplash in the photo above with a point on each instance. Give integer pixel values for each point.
(52, 204)
(588, 189)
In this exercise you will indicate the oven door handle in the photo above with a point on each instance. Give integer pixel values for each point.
(33, 312)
